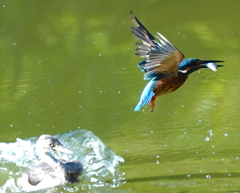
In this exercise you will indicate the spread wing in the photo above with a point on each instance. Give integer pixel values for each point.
(162, 57)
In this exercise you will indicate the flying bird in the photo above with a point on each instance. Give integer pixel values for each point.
(165, 66)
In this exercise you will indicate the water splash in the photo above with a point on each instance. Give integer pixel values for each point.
(100, 163)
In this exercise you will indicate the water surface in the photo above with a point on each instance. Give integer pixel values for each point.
(69, 65)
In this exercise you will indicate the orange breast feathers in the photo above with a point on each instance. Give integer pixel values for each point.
(169, 84)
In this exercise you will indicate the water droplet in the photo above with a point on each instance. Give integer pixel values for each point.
(208, 176)
(207, 138)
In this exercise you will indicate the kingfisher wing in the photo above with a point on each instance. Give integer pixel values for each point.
(161, 57)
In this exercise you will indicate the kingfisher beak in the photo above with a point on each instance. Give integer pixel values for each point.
(211, 64)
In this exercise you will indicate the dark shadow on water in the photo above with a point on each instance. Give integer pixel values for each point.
(207, 176)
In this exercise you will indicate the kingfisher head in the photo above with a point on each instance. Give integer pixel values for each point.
(187, 66)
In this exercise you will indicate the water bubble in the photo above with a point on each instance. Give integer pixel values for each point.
(208, 176)
(210, 132)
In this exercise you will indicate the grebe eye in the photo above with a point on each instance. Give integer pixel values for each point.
(51, 144)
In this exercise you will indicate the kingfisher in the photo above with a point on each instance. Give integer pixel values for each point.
(165, 66)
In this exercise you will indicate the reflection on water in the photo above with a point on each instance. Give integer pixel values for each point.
(13, 88)
(100, 163)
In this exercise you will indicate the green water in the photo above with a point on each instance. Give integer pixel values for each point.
(67, 65)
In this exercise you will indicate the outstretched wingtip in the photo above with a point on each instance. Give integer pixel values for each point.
(132, 14)
(140, 31)
(133, 17)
